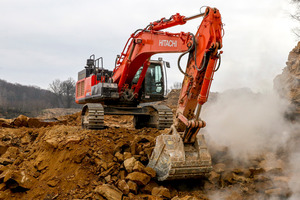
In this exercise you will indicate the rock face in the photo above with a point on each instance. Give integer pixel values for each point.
(287, 84)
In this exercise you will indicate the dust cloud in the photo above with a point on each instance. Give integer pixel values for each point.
(250, 125)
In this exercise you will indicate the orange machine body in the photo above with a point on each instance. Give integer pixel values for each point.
(203, 49)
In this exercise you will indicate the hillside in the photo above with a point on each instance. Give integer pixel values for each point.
(16, 99)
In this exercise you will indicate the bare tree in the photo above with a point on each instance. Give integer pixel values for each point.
(68, 91)
(56, 88)
(296, 16)
(64, 90)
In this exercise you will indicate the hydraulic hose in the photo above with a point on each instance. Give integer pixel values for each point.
(179, 58)
(219, 63)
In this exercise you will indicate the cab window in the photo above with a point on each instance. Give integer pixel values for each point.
(154, 79)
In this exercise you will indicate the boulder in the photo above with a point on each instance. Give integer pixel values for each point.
(256, 170)
(123, 186)
(25, 139)
(240, 179)
(127, 155)
(18, 179)
(149, 187)
(219, 168)
(52, 142)
(139, 178)
(109, 192)
(107, 178)
(161, 192)
(151, 172)
(131, 196)
(20, 121)
(119, 156)
(132, 187)
(3, 148)
(122, 174)
(129, 164)
(138, 167)
(227, 178)
(214, 177)
(53, 182)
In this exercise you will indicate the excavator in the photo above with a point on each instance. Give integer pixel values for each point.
(137, 81)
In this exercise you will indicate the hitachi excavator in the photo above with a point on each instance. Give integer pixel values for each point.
(136, 81)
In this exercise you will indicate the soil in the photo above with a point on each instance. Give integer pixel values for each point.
(59, 160)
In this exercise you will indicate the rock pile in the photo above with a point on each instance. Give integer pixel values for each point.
(66, 162)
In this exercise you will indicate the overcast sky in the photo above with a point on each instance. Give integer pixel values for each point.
(44, 40)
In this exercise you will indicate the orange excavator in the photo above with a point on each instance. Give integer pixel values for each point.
(137, 81)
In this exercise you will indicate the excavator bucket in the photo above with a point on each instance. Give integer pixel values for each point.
(172, 159)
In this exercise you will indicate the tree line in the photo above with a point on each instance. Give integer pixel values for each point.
(16, 99)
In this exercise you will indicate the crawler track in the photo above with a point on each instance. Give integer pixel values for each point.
(92, 116)
(165, 116)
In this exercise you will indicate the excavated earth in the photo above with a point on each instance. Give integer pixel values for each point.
(59, 160)
(54, 158)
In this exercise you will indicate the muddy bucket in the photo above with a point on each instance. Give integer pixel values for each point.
(172, 159)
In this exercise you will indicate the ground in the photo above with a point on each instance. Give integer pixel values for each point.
(59, 160)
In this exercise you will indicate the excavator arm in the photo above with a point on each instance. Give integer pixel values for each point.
(199, 73)
(183, 153)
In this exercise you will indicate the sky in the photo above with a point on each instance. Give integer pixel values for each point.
(51, 39)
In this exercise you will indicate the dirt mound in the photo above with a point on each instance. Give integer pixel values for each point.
(67, 161)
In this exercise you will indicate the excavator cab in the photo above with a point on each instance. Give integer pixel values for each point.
(154, 87)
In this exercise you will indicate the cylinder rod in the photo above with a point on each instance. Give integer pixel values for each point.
(194, 16)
